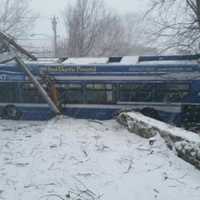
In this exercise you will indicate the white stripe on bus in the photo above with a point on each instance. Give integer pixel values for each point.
(164, 107)
(123, 78)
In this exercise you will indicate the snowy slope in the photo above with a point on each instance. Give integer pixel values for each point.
(97, 160)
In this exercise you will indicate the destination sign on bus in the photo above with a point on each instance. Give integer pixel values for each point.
(70, 69)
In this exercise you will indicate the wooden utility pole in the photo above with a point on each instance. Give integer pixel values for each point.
(54, 28)
(12, 47)
(37, 84)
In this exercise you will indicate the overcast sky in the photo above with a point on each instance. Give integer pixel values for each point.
(48, 8)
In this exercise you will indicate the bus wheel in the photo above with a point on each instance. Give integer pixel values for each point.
(150, 112)
(11, 112)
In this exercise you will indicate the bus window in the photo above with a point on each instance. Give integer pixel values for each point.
(173, 92)
(136, 92)
(99, 93)
(30, 94)
(71, 93)
(8, 92)
(95, 93)
(110, 93)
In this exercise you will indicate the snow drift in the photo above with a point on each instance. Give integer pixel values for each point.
(88, 160)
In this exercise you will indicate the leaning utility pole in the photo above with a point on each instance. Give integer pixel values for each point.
(54, 27)
(12, 47)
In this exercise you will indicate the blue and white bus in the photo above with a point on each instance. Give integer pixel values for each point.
(165, 87)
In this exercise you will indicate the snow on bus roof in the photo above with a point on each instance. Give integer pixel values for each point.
(44, 61)
(48, 59)
(86, 60)
(103, 60)
(170, 59)
(123, 60)
(168, 62)
(129, 60)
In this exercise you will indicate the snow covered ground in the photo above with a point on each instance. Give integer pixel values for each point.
(80, 159)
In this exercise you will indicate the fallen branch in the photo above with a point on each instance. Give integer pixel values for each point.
(185, 143)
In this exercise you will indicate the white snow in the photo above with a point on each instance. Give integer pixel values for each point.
(191, 150)
(44, 61)
(129, 60)
(86, 60)
(174, 131)
(168, 62)
(48, 60)
(47, 160)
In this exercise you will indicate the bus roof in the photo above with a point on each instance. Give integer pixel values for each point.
(129, 60)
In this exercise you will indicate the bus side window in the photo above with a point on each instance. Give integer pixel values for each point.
(136, 92)
(8, 92)
(99, 93)
(30, 94)
(171, 92)
(109, 93)
(95, 93)
(74, 93)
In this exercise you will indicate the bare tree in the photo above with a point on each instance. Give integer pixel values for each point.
(16, 17)
(137, 33)
(176, 24)
(112, 38)
(93, 30)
